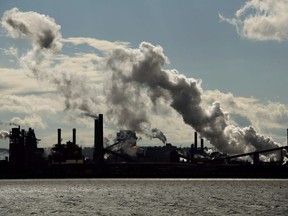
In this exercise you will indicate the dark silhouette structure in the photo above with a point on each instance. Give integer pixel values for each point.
(23, 148)
(69, 153)
(26, 160)
(98, 155)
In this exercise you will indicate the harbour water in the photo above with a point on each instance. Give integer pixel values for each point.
(144, 197)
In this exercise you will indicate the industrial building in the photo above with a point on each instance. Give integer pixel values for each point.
(23, 148)
(125, 158)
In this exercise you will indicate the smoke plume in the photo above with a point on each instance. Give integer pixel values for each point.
(138, 85)
(33, 120)
(46, 39)
(40, 29)
(138, 76)
(156, 133)
(127, 103)
(4, 134)
(126, 140)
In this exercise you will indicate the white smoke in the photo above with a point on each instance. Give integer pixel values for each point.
(41, 29)
(141, 70)
(4, 134)
(33, 121)
(138, 84)
(128, 104)
(46, 39)
(261, 20)
(156, 133)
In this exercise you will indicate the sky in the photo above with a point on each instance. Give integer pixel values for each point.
(63, 61)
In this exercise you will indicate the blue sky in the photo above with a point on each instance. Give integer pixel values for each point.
(190, 32)
(197, 42)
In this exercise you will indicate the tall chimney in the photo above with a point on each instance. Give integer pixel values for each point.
(192, 151)
(74, 136)
(98, 140)
(202, 145)
(195, 141)
(59, 136)
(95, 132)
(287, 136)
(95, 138)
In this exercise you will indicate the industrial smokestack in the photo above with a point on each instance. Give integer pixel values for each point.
(100, 130)
(202, 145)
(98, 140)
(74, 136)
(192, 151)
(95, 132)
(195, 140)
(59, 137)
(287, 136)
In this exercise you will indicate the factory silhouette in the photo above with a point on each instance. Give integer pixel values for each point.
(125, 159)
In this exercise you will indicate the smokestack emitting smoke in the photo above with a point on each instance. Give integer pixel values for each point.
(74, 136)
(156, 133)
(46, 37)
(141, 70)
(127, 139)
(138, 84)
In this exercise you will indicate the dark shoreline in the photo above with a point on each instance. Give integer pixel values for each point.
(144, 170)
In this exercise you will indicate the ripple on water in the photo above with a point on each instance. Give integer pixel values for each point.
(143, 197)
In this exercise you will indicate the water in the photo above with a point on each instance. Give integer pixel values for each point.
(144, 197)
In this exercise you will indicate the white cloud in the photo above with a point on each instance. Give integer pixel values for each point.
(16, 81)
(31, 104)
(103, 45)
(261, 20)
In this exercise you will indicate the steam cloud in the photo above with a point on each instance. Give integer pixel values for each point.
(261, 20)
(46, 38)
(126, 140)
(141, 70)
(34, 121)
(4, 134)
(138, 84)
(125, 100)
(41, 29)
(156, 133)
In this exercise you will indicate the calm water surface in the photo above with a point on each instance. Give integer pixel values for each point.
(144, 197)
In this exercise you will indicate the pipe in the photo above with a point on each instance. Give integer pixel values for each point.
(74, 136)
